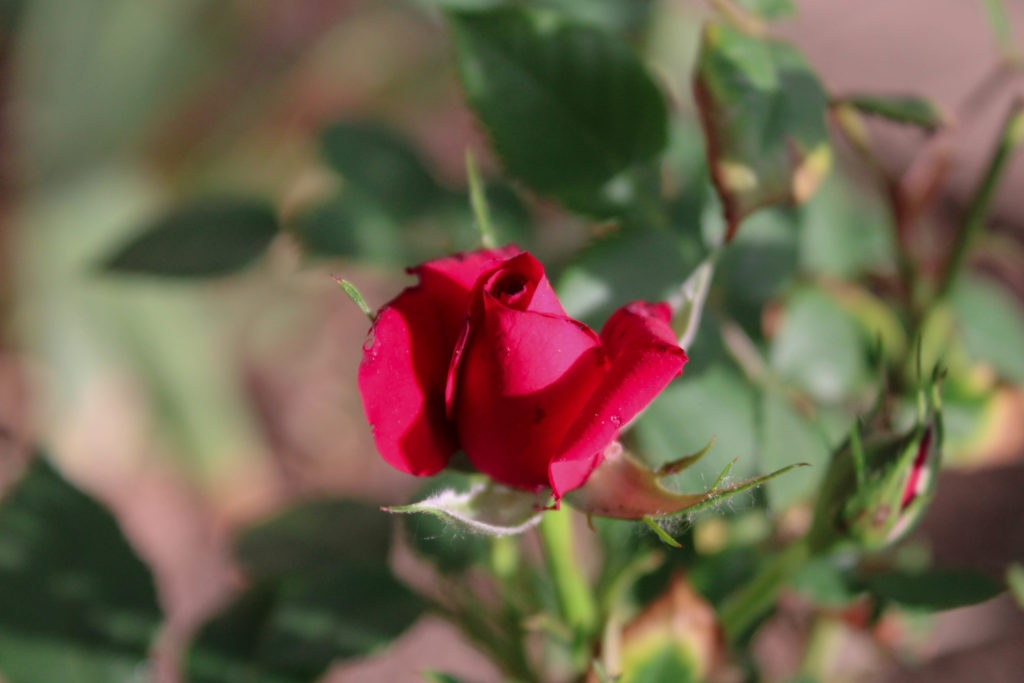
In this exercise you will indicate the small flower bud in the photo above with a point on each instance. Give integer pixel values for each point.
(876, 492)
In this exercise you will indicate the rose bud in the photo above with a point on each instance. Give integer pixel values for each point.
(481, 356)
(876, 492)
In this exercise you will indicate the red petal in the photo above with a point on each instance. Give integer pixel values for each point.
(519, 284)
(406, 359)
(644, 358)
(522, 377)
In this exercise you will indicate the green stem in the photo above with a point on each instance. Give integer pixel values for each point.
(575, 597)
(755, 599)
(478, 202)
(977, 211)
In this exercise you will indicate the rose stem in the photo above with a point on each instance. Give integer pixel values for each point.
(575, 598)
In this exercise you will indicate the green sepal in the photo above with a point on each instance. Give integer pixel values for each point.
(623, 488)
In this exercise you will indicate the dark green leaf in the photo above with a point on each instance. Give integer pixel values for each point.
(382, 166)
(614, 15)
(76, 603)
(721, 574)
(585, 109)
(450, 548)
(346, 227)
(289, 631)
(991, 321)
(763, 111)
(936, 589)
(916, 111)
(315, 536)
(215, 236)
(820, 348)
(322, 591)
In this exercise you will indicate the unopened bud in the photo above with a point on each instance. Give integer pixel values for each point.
(875, 493)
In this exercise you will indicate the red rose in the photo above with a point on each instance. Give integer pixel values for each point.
(481, 356)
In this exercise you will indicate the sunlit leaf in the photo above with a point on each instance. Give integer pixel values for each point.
(674, 639)
(486, 508)
(769, 9)
(992, 324)
(824, 582)
(209, 237)
(763, 111)
(845, 232)
(439, 677)
(447, 545)
(76, 603)
(787, 436)
(820, 348)
(909, 109)
(717, 404)
(629, 265)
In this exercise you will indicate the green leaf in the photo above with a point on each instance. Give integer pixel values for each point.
(613, 15)
(446, 545)
(76, 603)
(290, 631)
(486, 508)
(382, 166)
(991, 321)
(439, 677)
(1015, 582)
(819, 347)
(786, 437)
(845, 232)
(585, 109)
(663, 660)
(322, 590)
(758, 266)
(347, 226)
(318, 535)
(716, 403)
(935, 589)
(824, 582)
(625, 266)
(208, 237)
(1001, 27)
(769, 9)
(909, 109)
(763, 111)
